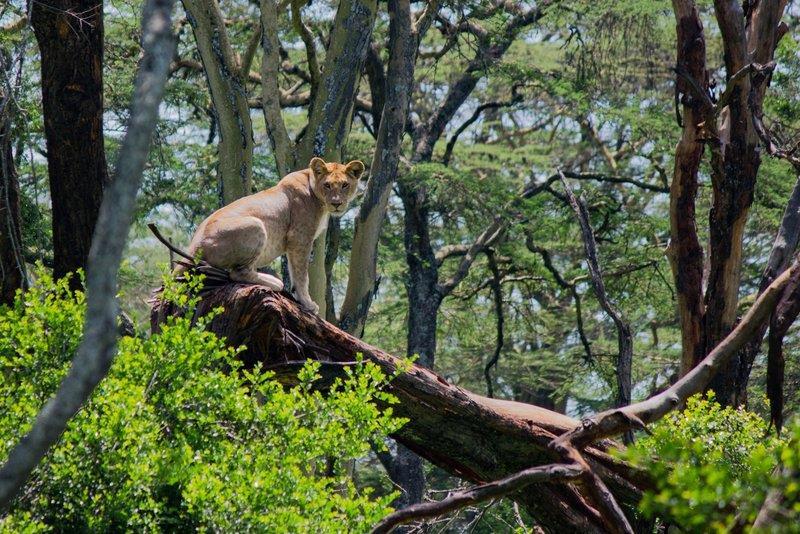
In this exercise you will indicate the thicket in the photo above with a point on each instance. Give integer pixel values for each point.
(179, 437)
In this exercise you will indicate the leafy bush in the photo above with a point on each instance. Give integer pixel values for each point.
(179, 438)
(711, 465)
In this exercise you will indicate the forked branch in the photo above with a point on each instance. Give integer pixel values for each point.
(619, 420)
(480, 493)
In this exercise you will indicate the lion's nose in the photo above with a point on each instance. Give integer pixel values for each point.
(336, 204)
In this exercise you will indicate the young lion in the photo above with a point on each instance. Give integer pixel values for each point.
(252, 231)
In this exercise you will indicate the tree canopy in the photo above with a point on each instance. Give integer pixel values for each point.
(574, 205)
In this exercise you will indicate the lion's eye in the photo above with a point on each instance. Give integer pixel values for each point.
(345, 185)
(327, 186)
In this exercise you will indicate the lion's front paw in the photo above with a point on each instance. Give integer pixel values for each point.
(309, 306)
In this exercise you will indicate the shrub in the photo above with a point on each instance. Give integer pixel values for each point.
(178, 437)
(711, 465)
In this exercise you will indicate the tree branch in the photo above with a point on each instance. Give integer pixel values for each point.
(308, 41)
(534, 189)
(635, 416)
(362, 278)
(487, 54)
(497, 294)
(480, 493)
(451, 143)
(624, 334)
(98, 346)
(488, 237)
(282, 145)
(548, 263)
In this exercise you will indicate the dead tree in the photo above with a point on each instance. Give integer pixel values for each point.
(580, 488)
(471, 436)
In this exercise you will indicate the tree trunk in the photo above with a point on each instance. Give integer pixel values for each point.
(685, 252)
(97, 348)
(748, 37)
(383, 171)
(282, 145)
(12, 263)
(229, 98)
(331, 108)
(70, 37)
(470, 436)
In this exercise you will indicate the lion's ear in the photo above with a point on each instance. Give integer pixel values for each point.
(318, 167)
(355, 169)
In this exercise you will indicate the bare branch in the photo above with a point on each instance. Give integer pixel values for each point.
(548, 263)
(481, 493)
(624, 334)
(487, 54)
(616, 421)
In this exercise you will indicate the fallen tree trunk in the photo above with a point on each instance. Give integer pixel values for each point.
(476, 438)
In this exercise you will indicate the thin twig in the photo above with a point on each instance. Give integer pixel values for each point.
(624, 333)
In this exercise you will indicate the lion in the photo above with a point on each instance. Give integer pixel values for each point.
(286, 219)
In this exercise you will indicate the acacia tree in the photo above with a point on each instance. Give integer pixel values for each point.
(427, 288)
(729, 128)
(225, 76)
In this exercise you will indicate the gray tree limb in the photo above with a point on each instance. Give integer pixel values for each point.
(98, 346)
(229, 96)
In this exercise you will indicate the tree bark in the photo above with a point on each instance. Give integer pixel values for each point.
(747, 37)
(12, 262)
(685, 253)
(782, 251)
(282, 145)
(229, 97)
(331, 108)
(70, 37)
(474, 437)
(403, 45)
(425, 293)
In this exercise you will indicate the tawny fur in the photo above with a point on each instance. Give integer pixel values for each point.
(252, 231)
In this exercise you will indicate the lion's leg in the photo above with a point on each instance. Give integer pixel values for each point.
(251, 276)
(298, 257)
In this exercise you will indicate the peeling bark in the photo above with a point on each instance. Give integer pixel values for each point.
(747, 37)
(685, 252)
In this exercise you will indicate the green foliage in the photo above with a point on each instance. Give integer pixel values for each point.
(711, 465)
(180, 437)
